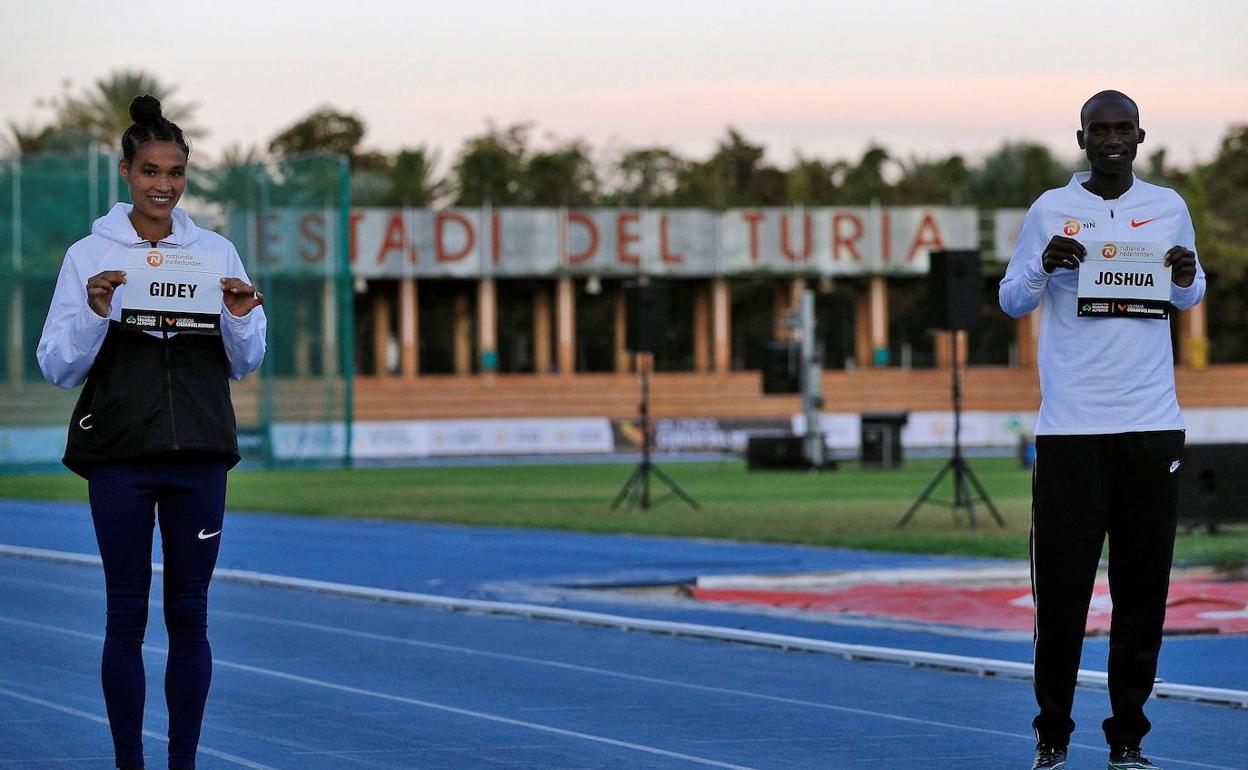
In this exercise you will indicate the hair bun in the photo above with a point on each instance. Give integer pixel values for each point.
(145, 110)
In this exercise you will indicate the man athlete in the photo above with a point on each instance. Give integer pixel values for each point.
(1109, 434)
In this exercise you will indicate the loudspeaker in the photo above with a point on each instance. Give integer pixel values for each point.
(775, 453)
(782, 368)
(1213, 485)
(647, 317)
(953, 290)
(880, 438)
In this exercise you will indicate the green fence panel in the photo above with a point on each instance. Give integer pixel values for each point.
(297, 409)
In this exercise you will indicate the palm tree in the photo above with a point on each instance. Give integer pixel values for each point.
(31, 138)
(23, 139)
(103, 109)
(414, 180)
(234, 179)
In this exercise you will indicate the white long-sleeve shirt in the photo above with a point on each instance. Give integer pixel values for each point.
(1100, 375)
(73, 333)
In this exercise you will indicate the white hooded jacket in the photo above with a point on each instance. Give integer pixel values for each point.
(73, 333)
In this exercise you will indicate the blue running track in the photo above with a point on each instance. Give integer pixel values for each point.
(306, 680)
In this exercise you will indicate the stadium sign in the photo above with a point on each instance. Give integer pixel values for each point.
(531, 242)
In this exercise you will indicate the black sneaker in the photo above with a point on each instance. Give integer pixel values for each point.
(1129, 758)
(1049, 757)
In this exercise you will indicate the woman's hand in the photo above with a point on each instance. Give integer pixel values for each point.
(100, 290)
(240, 297)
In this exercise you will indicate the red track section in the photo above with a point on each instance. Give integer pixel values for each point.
(1196, 606)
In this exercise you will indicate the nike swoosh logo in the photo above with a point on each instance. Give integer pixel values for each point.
(1141, 223)
(1174, 466)
(204, 536)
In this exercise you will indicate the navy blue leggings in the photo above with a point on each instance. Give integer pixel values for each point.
(187, 495)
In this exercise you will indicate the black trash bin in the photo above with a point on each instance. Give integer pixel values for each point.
(881, 439)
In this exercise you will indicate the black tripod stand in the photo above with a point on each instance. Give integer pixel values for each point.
(963, 476)
(637, 488)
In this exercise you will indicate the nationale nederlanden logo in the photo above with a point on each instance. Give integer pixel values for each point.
(1071, 228)
(1109, 251)
(155, 258)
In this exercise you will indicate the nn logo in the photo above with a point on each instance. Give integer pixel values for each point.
(155, 258)
(1109, 251)
(1071, 228)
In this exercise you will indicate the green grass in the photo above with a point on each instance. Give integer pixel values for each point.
(850, 507)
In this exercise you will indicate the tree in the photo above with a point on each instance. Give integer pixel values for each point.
(563, 176)
(645, 177)
(738, 162)
(1218, 200)
(412, 180)
(1016, 174)
(924, 181)
(1226, 180)
(1161, 173)
(734, 175)
(31, 138)
(489, 167)
(102, 110)
(864, 183)
(233, 180)
(324, 130)
(813, 182)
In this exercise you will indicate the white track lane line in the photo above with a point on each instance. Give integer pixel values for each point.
(871, 653)
(1029, 737)
(240, 761)
(371, 636)
(407, 641)
(548, 729)
(850, 652)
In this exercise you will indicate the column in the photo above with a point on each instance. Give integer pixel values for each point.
(1194, 337)
(1027, 338)
(944, 348)
(779, 307)
(541, 330)
(621, 330)
(862, 327)
(463, 333)
(701, 329)
(879, 321)
(721, 310)
(409, 328)
(381, 330)
(487, 324)
(565, 318)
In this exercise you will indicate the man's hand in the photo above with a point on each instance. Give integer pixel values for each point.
(1182, 264)
(1062, 252)
(240, 297)
(100, 290)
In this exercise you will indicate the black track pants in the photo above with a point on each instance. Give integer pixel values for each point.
(1086, 488)
(190, 496)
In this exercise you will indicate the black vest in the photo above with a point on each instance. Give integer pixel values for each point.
(150, 395)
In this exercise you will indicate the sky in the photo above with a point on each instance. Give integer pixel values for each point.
(824, 79)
